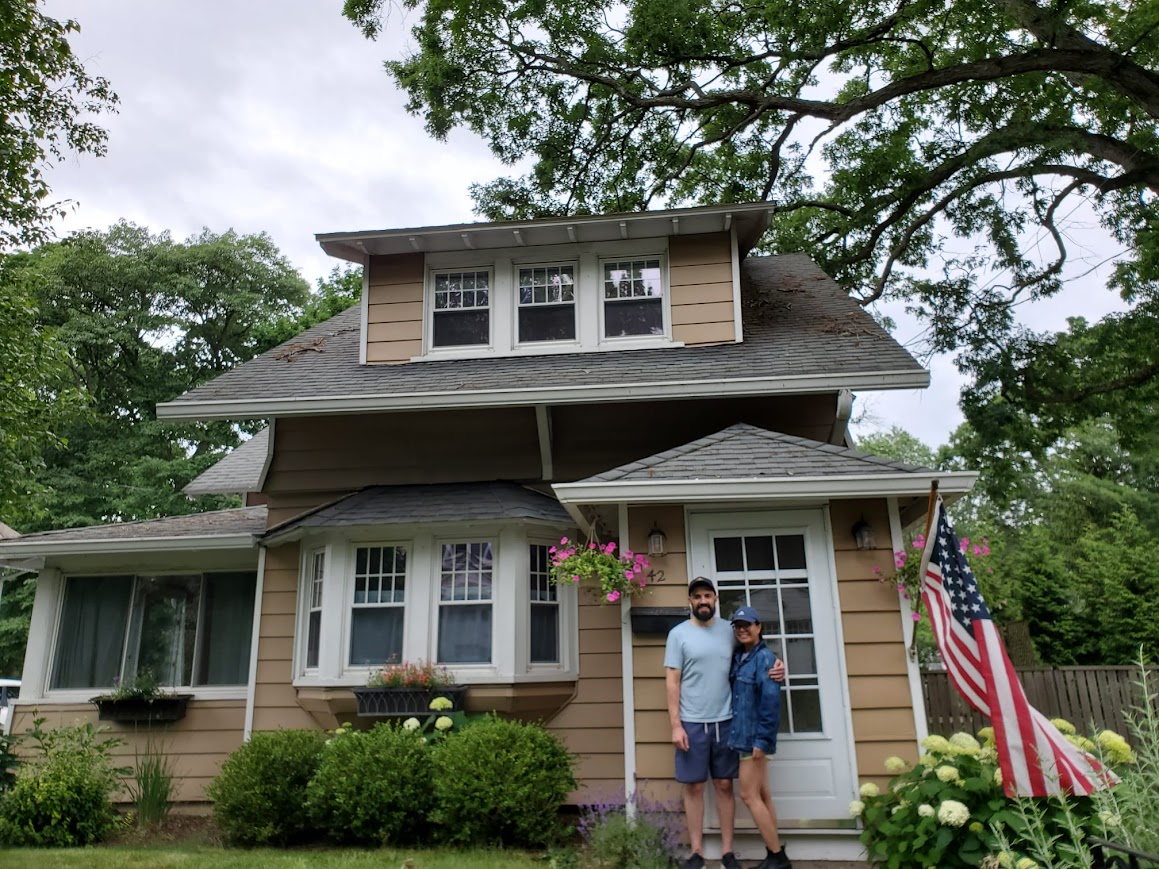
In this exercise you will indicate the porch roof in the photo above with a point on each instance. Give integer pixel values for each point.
(422, 504)
(220, 529)
(743, 462)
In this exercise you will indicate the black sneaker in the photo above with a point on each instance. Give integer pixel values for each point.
(779, 860)
(694, 862)
(729, 861)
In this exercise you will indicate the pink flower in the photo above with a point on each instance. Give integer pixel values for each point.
(613, 596)
(643, 582)
(575, 577)
(917, 617)
(920, 542)
(628, 554)
(611, 547)
(591, 546)
(551, 550)
(876, 570)
(899, 560)
(985, 549)
(563, 541)
(629, 574)
(977, 549)
(905, 594)
(963, 543)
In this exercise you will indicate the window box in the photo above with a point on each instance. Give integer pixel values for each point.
(657, 619)
(154, 710)
(385, 702)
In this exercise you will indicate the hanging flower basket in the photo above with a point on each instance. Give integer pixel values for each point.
(138, 710)
(382, 702)
(615, 575)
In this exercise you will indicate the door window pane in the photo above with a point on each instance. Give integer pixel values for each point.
(729, 556)
(805, 710)
(791, 552)
(798, 617)
(759, 553)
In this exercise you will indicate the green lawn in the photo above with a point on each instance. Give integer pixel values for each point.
(213, 858)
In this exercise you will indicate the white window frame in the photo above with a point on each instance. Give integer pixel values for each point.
(665, 302)
(510, 615)
(429, 310)
(439, 603)
(314, 583)
(352, 605)
(558, 603)
(517, 304)
(52, 583)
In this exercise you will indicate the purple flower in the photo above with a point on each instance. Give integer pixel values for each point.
(917, 617)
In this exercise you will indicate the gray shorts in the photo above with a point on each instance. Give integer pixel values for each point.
(708, 753)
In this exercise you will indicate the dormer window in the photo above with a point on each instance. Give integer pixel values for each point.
(546, 303)
(633, 294)
(462, 309)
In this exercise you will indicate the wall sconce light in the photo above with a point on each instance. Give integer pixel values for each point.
(657, 543)
(863, 534)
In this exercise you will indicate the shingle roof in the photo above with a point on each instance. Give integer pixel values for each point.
(745, 451)
(437, 502)
(241, 520)
(796, 320)
(238, 471)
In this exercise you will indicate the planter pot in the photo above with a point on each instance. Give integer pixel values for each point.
(657, 619)
(405, 702)
(156, 710)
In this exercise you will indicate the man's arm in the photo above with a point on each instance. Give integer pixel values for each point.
(777, 671)
(672, 686)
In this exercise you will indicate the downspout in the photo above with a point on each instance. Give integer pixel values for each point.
(844, 412)
(253, 677)
(913, 671)
(626, 669)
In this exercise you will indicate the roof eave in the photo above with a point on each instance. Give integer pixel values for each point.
(763, 489)
(555, 395)
(297, 532)
(14, 550)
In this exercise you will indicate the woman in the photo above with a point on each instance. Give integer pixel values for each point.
(756, 714)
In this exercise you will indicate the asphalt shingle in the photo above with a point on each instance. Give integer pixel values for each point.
(239, 471)
(241, 520)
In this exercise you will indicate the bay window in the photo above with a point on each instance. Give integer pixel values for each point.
(376, 622)
(186, 630)
(465, 585)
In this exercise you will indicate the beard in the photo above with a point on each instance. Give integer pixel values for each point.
(703, 612)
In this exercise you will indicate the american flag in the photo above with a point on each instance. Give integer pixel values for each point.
(1035, 758)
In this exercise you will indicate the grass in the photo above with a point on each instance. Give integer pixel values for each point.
(208, 857)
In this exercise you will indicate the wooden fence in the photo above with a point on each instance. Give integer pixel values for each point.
(1091, 698)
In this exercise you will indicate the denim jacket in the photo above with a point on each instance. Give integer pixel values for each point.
(756, 701)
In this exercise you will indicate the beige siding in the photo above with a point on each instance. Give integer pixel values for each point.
(394, 323)
(875, 655)
(197, 744)
(275, 698)
(592, 723)
(700, 285)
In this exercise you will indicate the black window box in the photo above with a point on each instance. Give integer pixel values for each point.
(154, 710)
(405, 702)
(657, 619)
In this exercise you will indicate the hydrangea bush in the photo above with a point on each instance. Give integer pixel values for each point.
(619, 575)
(941, 812)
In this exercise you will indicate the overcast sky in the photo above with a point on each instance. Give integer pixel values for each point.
(276, 116)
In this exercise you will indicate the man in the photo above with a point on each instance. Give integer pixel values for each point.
(696, 661)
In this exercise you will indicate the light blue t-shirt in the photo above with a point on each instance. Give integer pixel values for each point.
(702, 654)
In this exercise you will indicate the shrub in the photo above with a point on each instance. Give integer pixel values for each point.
(259, 796)
(62, 795)
(650, 840)
(374, 787)
(8, 762)
(501, 782)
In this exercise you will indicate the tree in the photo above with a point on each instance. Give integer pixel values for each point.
(883, 134)
(46, 103)
(897, 443)
(145, 318)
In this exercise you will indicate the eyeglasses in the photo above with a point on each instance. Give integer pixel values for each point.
(742, 626)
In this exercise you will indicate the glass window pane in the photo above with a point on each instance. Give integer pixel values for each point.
(791, 552)
(730, 600)
(313, 638)
(806, 710)
(634, 317)
(92, 631)
(759, 553)
(164, 629)
(461, 328)
(551, 323)
(465, 634)
(798, 619)
(226, 629)
(545, 634)
(802, 657)
(375, 635)
(764, 600)
(728, 553)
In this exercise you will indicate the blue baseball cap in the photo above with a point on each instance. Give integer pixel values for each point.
(746, 614)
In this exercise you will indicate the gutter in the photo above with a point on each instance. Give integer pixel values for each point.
(589, 394)
(18, 549)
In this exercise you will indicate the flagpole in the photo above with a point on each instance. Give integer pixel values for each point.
(930, 508)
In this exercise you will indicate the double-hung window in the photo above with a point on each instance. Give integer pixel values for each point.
(314, 617)
(546, 303)
(376, 621)
(633, 297)
(544, 601)
(466, 572)
(461, 316)
(184, 630)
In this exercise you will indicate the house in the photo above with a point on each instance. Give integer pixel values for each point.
(640, 377)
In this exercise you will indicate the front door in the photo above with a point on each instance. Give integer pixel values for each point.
(778, 562)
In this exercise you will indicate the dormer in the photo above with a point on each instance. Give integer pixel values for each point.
(556, 285)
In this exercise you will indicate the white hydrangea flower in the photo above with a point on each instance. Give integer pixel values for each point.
(926, 810)
(440, 704)
(856, 808)
(869, 789)
(964, 743)
(411, 724)
(936, 744)
(952, 813)
(895, 765)
(947, 774)
(998, 777)
(443, 723)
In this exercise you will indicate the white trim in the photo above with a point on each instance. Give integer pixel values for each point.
(794, 384)
(192, 543)
(251, 687)
(839, 634)
(363, 319)
(543, 428)
(272, 428)
(913, 671)
(492, 270)
(762, 489)
(41, 631)
(627, 680)
(734, 255)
